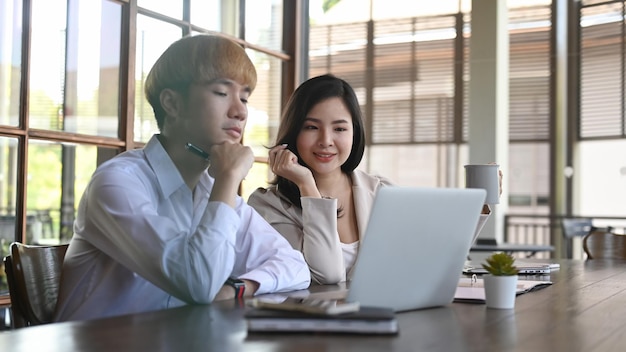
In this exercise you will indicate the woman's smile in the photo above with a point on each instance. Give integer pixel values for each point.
(324, 157)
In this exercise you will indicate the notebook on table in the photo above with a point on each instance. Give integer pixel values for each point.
(367, 320)
(414, 248)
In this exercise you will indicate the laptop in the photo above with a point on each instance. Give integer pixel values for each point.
(415, 246)
(524, 268)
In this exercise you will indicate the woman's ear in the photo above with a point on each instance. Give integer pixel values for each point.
(171, 101)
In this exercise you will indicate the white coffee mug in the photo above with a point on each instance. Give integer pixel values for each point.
(484, 176)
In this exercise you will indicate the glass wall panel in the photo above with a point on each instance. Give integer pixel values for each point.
(171, 8)
(602, 76)
(74, 75)
(601, 181)
(10, 61)
(528, 178)
(419, 165)
(47, 64)
(215, 15)
(414, 93)
(57, 176)
(264, 23)
(257, 177)
(153, 37)
(93, 67)
(8, 184)
(263, 111)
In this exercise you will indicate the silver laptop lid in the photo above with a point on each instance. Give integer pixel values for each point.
(416, 243)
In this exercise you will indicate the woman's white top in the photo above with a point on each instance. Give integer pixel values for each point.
(350, 251)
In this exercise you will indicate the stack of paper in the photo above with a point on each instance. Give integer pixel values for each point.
(472, 290)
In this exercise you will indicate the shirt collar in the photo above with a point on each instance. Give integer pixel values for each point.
(167, 174)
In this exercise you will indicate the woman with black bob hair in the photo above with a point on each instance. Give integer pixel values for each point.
(319, 201)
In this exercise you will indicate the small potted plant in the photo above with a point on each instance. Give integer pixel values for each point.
(501, 282)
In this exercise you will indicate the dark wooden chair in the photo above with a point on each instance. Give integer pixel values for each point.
(604, 244)
(575, 227)
(33, 275)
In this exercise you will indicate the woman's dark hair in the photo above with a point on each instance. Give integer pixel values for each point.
(305, 97)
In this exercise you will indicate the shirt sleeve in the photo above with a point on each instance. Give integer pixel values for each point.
(126, 225)
(320, 245)
(266, 257)
(312, 231)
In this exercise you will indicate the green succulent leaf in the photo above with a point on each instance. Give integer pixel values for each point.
(500, 264)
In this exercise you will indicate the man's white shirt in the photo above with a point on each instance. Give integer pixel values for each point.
(144, 241)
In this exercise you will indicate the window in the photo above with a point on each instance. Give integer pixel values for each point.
(600, 138)
(78, 100)
(529, 74)
(602, 70)
(412, 81)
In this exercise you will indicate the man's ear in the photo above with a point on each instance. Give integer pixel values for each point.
(172, 102)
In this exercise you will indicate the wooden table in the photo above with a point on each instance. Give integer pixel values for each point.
(584, 310)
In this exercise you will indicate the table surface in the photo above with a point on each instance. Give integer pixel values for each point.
(584, 310)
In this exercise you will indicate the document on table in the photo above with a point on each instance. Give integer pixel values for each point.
(472, 290)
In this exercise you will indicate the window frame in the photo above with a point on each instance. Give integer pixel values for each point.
(293, 15)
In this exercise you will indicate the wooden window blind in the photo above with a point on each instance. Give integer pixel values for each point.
(529, 74)
(339, 49)
(414, 80)
(413, 74)
(602, 31)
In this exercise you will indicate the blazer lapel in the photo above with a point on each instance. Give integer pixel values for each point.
(363, 194)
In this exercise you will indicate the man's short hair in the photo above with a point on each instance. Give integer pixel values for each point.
(199, 58)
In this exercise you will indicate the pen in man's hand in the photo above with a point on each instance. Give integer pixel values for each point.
(196, 150)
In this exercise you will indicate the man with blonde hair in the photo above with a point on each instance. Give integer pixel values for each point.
(154, 229)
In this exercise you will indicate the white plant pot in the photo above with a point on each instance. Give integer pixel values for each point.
(500, 291)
